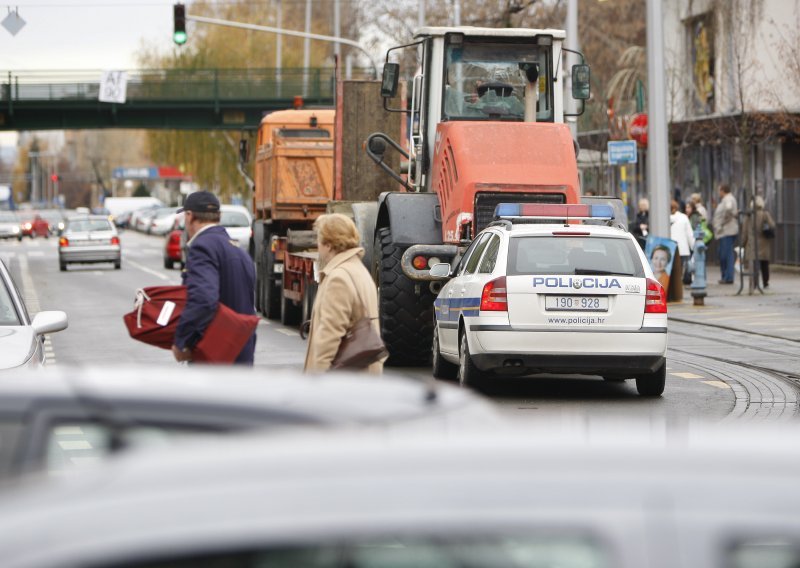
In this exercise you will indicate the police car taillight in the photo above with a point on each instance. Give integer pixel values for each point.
(495, 297)
(655, 301)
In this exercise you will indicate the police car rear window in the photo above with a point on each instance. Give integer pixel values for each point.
(545, 254)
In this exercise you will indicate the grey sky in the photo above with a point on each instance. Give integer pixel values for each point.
(83, 34)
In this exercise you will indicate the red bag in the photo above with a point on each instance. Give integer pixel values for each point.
(154, 320)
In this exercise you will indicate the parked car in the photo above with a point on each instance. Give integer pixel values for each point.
(10, 225)
(162, 221)
(89, 239)
(134, 221)
(238, 223)
(33, 225)
(68, 417)
(143, 219)
(368, 500)
(55, 219)
(22, 337)
(173, 252)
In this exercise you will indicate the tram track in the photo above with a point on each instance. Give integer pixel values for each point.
(762, 391)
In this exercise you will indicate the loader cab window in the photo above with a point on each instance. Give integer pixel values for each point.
(485, 80)
(303, 133)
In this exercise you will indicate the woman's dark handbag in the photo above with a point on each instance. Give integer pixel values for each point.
(361, 345)
(767, 231)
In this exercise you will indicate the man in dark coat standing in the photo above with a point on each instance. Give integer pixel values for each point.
(217, 270)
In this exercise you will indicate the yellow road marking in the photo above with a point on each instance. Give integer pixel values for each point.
(718, 384)
(687, 375)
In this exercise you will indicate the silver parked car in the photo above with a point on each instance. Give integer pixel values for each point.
(22, 338)
(88, 239)
(9, 226)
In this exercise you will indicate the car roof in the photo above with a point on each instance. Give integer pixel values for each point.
(251, 491)
(528, 229)
(341, 398)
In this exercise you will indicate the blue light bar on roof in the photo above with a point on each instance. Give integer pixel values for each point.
(554, 211)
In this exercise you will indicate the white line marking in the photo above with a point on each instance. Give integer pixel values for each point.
(85, 460)
(74, 445)
(718, 384)
(67, 430)
(289, 332)
(148, 270)
(36, 253)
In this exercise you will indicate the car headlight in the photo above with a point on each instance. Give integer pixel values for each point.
(28, 226)
(15, 230)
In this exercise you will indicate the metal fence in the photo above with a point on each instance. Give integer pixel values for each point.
(786, 211)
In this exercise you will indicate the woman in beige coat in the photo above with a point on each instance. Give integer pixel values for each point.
(762, 216)
(345, 291)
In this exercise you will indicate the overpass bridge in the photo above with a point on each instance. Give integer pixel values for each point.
(184, 99)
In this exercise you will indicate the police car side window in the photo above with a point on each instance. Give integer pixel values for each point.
(472, 263)
(467, 255)
(490, 256)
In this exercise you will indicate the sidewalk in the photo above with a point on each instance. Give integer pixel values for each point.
(776, 313)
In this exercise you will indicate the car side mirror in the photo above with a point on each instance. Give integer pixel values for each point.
(391, 76)
(441, 271)
(49, 322)
(581, 77)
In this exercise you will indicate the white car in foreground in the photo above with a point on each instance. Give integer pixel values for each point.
(530, 296)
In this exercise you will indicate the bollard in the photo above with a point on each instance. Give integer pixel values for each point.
(698, 267)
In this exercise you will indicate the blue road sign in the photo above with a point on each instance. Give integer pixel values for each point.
(622, 152)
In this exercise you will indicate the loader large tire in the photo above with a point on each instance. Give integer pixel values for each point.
(406, 307)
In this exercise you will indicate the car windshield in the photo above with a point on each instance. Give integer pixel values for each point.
(573, 255)
(234, 219)
(486, 81)
(84, 225)
(8, 313)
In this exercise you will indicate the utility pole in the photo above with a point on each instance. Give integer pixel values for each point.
(307, 49)
(421, 14)
(278, 46)
(573, 43)
(658, 181)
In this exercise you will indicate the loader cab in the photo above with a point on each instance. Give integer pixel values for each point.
(481, 74)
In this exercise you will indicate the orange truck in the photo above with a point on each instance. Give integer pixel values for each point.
(485, 125)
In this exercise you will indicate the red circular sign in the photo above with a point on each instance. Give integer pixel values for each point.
(637, 129)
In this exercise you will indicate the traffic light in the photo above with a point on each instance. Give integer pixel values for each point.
(179, 14)
(55, 177)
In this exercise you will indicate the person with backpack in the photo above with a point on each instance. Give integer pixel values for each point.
(762, 243)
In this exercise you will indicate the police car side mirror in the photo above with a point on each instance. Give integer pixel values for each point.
(440, 271)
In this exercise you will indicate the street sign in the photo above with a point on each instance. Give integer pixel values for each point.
(13, 22)
(622, 152)
(113, 87)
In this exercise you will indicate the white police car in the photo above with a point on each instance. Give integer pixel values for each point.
(530, 296)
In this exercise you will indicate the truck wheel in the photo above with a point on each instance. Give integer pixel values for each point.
(270, 292)
(290, 314)
(405, 306)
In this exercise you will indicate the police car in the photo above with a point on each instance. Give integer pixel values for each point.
(551, 289)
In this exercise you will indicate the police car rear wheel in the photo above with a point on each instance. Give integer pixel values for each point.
(652, 384)
(441, 369)
(468, 373)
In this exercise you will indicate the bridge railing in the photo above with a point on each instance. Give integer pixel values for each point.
(179, 85)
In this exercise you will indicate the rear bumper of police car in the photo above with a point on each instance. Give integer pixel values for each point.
(609, 353)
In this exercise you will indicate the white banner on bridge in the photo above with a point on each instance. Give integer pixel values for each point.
(113, 87)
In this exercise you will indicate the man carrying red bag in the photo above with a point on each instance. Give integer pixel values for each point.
(217, 271)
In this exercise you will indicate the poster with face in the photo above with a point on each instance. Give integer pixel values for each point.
(661, 253)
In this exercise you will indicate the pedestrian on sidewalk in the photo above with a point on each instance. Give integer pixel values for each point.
(726, 227)
(761, 218)
(681, 232)
(346, 292)
(697, 200)
(217, 271)
(640, 226)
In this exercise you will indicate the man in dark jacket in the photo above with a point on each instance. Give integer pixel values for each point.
(217, 270)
